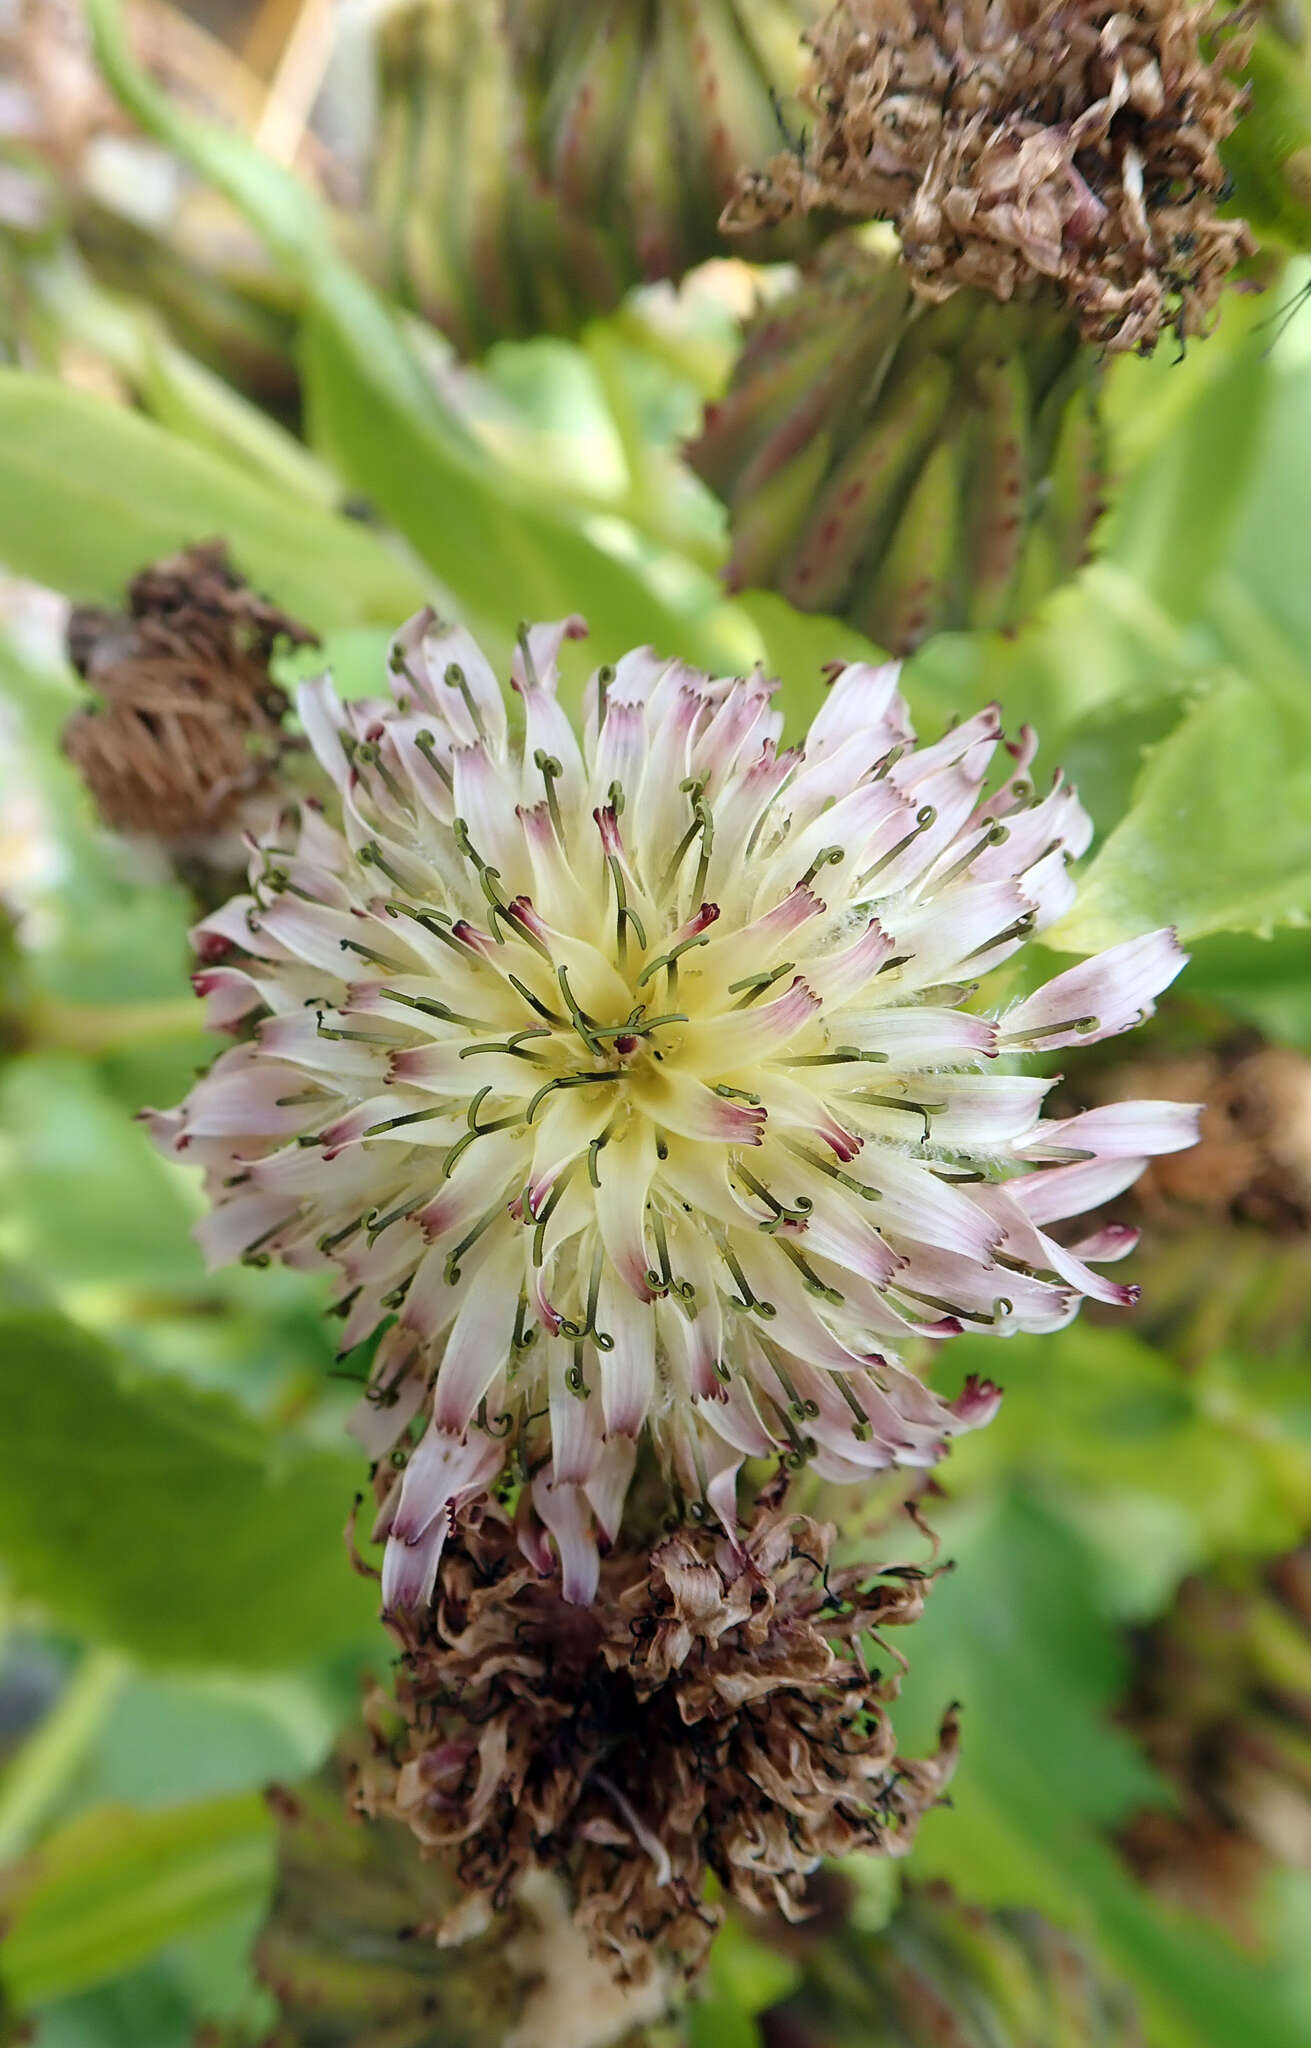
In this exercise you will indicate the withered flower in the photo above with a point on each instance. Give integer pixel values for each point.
(712, 1710)
(1018, 139)
(1252, 1163)
(1221, 1701)
(188, 730)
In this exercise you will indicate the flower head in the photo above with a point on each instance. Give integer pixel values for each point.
(1018, 141)
(188, 733)
(636, 1078)
(710, 1711)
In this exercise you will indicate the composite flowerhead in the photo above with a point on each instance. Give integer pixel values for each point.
(637, 1081)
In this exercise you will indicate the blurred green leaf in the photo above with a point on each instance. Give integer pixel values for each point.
(169, 1736)
(1189, 445)
(37, 1773)
(746, 1973)
(166, 1520)
(1218, 835)
(1265, 982)
(1015, 1633)
(1116, 1437)
(716, 2022)
(84, 1196)
(1268, 552)
(89, 492)
(115, 1886)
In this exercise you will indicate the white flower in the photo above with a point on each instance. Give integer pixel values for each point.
(637, 1083)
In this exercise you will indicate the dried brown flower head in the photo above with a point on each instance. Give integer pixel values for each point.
(1252, 1163)
(712, 1710)
(1019, 139)
(1221, 1701)
(189, 726)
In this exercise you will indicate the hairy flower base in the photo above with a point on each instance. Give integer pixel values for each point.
(634, 1087)
(711, 1710)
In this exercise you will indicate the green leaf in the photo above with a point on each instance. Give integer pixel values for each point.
(90, 491)
(1126, 1444)
(1268, 553)
(1195, 430)
(746, 1973)
(114, 1887)
(715, 2022)
(1218, 835)
(1015, 1633)
(166, 1520)
(1266, 982)
(169, 1736)
(85, 1196)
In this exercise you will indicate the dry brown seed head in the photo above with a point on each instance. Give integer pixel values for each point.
(1023, 139)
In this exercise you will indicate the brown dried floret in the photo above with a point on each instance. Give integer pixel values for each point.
(1252, 1163)
(1014, 139)
(712, 1710)
(1221, 1702)
(189, 725)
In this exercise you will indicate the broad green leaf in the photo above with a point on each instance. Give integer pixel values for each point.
(500, 549)
(169, 1736)
(1015, 1634)
(89, 492)
(84, 1196)
(1218, 835)
(1266, 982)
(1188, 442)
(166, 1520)
(1163, 1469)
(1268, 553)
(115, 1886)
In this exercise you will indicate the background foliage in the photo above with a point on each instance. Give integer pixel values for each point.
(181, 1623)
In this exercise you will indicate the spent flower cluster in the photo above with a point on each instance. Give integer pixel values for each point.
(1014, 141)
(712, 1709)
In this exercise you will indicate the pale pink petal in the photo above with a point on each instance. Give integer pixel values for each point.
(1119, 1130)
(628, 1368)
(566, 1514)
(1099, 997)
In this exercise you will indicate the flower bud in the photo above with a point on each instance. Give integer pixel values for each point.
(943, 1971)
(534, 162)
(186, 740)
(908, 468)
